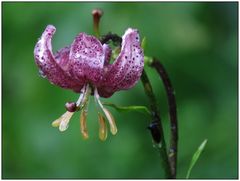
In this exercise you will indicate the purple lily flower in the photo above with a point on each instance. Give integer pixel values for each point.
(85, 66)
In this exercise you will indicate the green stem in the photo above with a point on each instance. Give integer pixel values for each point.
(161, 146)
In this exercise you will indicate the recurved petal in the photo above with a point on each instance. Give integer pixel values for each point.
(87, 58)
(62, 57)
(127, 68)
(107, 54)
(49, 64)
(105, 91)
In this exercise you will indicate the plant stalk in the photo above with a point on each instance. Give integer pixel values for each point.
(172, 154)
(161, 146)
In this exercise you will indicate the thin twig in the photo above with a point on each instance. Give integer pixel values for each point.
(172, 112)
(160, 144)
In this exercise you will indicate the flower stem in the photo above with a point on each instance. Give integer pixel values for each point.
(161, 146)
(172, 112)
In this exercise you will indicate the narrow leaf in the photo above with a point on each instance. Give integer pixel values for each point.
(143, 43)
(196, 157)
(141, 109)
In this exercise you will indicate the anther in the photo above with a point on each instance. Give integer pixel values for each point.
(83, 124)
(102, 127)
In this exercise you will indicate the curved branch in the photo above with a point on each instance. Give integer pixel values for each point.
(172, 112)
(156, 126)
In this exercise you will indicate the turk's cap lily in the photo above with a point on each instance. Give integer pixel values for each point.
(85, 66)
(87, 61)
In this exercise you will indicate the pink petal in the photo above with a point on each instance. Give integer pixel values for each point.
(105, 91)
(62, 58)
(127, 68)
(87, 58)
(107, 54)
(52, 67)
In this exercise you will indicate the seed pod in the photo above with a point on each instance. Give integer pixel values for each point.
(155, 131)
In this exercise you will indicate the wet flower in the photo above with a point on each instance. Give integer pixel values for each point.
(85, 68)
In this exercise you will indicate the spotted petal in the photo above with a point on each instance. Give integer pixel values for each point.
(54, 67)
(87, 58)
(107, 54)
(127, 68)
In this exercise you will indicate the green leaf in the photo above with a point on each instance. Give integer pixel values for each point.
(143, 43)
(141, 109)
(148, 60)
(196, 157)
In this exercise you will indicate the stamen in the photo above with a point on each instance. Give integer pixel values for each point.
(102, 127)
(83, 124)
(110, 118)
(63, 121)
(80, 99)
(83, 96)
(83, 116)
(56, 123)
(71, 107)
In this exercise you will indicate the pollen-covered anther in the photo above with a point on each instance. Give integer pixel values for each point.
(111, 120)
(63, 121)
(83, 124)
(102, 127)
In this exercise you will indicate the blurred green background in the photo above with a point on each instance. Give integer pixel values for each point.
(197, 43)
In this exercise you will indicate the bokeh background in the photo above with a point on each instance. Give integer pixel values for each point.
(197, 43)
